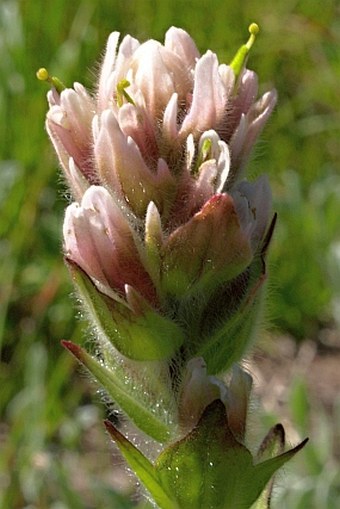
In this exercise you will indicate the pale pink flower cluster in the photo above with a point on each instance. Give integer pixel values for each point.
(155, 162)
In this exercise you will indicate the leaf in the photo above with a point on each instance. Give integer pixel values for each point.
(142, 417)
(142, 467)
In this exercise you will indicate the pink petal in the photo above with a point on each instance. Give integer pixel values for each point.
(104, 157)
(253, 202)
(105, 92)
(79, 109)
(197, 391)
(249, 129)
(127, 48)
(241, 97)
(205, 183)
(170, 128)
(153, 226)
(134, 122)
(158, 73)
(190, 151)
(120, 162)
(227, 77)
(247, 91)
(209, 97)
(76, 180)
(237, 401)
(53, 97)
(180, 42)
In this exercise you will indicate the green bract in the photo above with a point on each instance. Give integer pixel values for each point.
(141, 333)
(208, 468)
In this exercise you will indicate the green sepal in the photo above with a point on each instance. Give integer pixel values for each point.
(273, 444)
(209, 249)
(142, 467)
(265, 470)
(210, 468)
(142, 417)
(145, 335)
(228, 341)
(227, 332)
(207, 468)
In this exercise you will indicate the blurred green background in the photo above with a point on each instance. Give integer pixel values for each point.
(53, 451)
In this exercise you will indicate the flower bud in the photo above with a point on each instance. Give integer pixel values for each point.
(99, 238)
(69, 126)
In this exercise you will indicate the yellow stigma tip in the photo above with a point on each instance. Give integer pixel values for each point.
(239, 60)
(254, 29)
(42, 74)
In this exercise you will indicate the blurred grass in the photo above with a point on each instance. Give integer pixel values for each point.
(297, 52)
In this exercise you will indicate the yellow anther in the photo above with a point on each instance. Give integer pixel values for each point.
(122, 93)
(204, 154)
(206, 147)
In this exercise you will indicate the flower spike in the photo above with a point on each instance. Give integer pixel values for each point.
(239, 59)
(166, 243)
